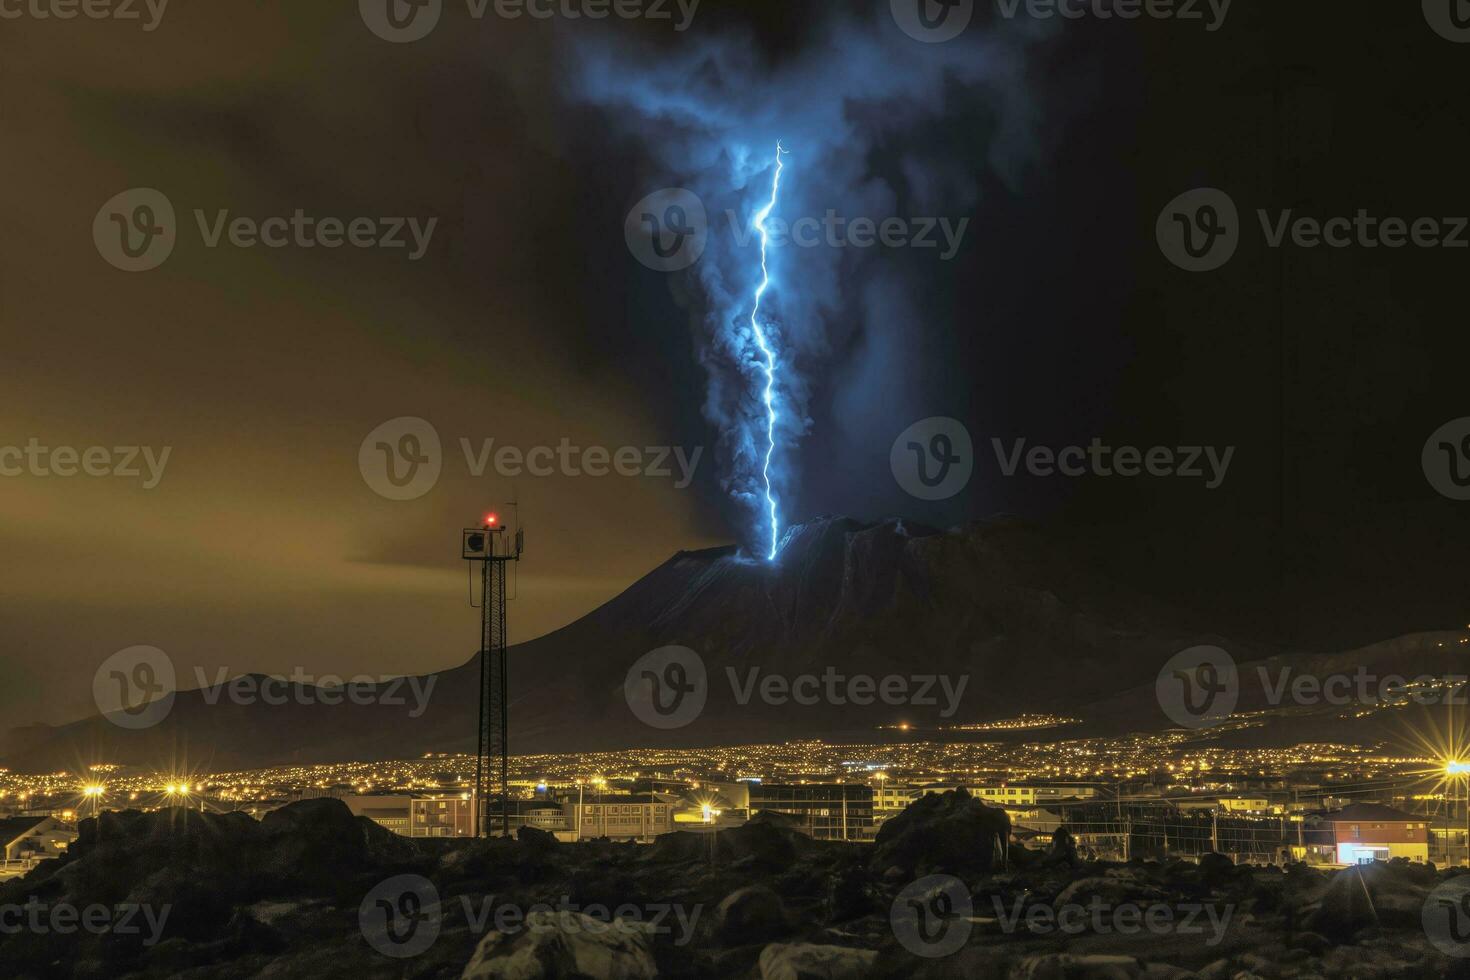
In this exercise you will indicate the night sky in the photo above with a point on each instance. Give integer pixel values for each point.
(529, 321)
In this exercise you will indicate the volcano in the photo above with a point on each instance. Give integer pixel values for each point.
(997, 613)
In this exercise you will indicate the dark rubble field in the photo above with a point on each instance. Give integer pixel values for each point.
(296, 895)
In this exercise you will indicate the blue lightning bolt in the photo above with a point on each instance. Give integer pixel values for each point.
(760, 339)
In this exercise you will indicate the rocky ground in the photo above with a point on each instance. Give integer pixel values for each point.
(312, 891)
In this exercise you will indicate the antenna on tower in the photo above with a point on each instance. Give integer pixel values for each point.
(491, 546)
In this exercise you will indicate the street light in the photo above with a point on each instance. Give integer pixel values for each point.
(1461, 770)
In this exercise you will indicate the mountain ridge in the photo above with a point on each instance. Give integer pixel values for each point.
(996, 602)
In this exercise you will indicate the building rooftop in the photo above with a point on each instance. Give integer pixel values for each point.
(13, 829)
(1366, 812)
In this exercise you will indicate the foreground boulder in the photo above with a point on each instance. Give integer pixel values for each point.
(804, 961)
(1067, 966)
(750, 915)
(565, 944)
(761, 845)
(951, 831)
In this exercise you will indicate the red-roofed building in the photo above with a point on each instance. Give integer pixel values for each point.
(1366, 832)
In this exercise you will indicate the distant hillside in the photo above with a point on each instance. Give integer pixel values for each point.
(998, 603)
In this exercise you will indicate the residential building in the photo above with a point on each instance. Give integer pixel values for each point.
(442, 815)
(418, 814)
(619, 817)
(826, 811)
(1030, 794)
(1367, 832)
(27, 840)
(388, 810)
(890, 799)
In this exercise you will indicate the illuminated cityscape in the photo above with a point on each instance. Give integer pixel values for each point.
(734, 491)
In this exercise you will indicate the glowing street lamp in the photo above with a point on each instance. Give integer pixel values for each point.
(93, 792)
(1456, 768)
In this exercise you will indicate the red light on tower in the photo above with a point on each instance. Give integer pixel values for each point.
(490, 519)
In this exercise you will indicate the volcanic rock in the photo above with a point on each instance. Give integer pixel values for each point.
(563, 943)
(804, 961)
(750, 915)
(953, 831)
